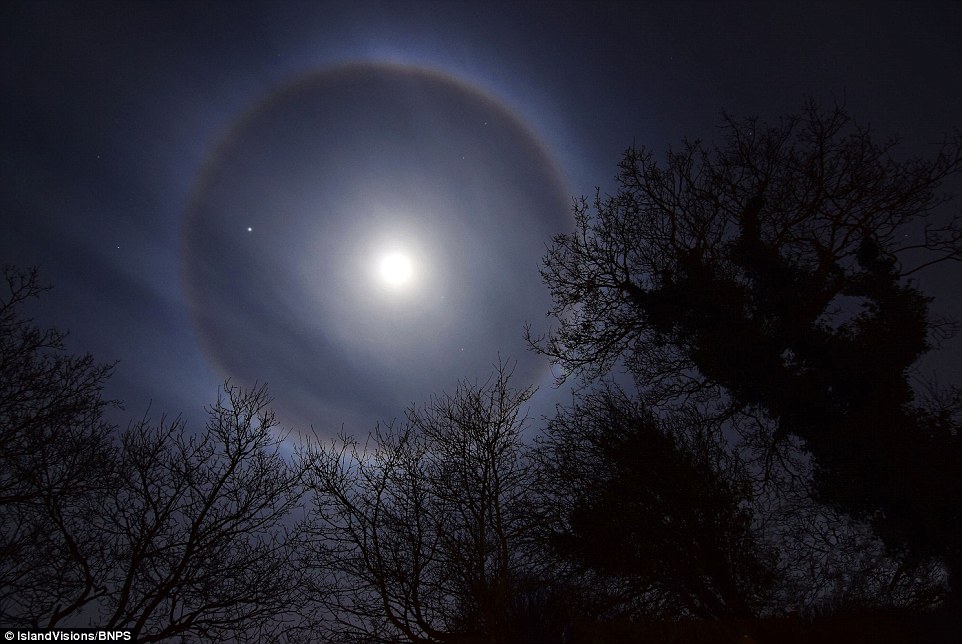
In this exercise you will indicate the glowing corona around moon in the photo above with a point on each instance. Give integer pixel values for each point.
(387, 263)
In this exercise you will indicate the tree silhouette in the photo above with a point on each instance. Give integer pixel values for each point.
(655, 504)
(161, 530)
(200, 534)
(767, 278)
(827, 560)
(56, 463)
(420, 529)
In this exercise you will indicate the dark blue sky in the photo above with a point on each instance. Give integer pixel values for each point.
(139, 141)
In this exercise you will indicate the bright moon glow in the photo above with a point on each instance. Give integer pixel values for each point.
(396, 269)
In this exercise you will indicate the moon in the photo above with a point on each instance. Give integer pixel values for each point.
(396, 269)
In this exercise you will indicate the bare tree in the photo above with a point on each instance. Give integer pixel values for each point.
(56, 463)
(200, 535)
(420, 528)
(157, 529)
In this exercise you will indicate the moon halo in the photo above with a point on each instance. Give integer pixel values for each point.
(401, 217)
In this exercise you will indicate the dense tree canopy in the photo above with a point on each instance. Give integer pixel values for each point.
(766, 277)
(655, 504)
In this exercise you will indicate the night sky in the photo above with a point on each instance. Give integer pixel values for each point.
(212, 187)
